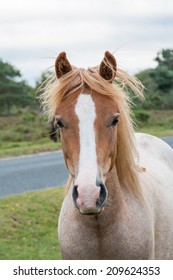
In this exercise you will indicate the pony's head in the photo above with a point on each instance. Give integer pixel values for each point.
(92, 113)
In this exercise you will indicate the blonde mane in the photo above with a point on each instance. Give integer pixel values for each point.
(56, 90)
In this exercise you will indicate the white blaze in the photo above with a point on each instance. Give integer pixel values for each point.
(85, 111)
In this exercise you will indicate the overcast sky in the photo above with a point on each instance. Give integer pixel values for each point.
(33, 32)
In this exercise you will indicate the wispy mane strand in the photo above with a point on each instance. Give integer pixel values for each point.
(55, 90)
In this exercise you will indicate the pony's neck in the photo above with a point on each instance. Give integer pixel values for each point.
(115, 192)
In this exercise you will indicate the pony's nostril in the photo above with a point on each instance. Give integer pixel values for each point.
(75, 193)
(103, 195)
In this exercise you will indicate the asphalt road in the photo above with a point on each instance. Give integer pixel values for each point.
(27, 173)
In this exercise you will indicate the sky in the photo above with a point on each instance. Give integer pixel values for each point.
(34, 32)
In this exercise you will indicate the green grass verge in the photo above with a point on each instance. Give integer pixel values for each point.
(27, 148)
(28, 228)
(160, 123)
(26, 133)
(161, 132)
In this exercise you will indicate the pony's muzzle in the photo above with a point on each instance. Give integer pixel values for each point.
(89, 199)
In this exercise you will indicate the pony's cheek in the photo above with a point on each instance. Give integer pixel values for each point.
(104, 169)
(70, 167)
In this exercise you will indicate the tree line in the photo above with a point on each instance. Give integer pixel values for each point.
(158, 83)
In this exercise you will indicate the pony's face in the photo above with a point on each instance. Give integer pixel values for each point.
(88, 128)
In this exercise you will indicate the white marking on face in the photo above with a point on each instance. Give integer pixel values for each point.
(85, 111)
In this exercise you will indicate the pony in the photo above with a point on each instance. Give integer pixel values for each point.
(119, 195)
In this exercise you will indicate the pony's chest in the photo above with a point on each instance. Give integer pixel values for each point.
(117, 241)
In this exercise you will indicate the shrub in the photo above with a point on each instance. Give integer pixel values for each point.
(29, 117)
(142, 115)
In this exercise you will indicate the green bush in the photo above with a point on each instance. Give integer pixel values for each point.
(29, 117)
(142, 115)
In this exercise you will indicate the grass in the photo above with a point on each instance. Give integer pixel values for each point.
(161, 132)
(26, 148)
(160, 123)
(28, 228)
(26, 133)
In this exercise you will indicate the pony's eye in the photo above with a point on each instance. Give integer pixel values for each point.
(60, 123)
(114, 120)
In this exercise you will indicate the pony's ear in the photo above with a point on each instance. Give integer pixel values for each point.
(62, 65)
(108, 67)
